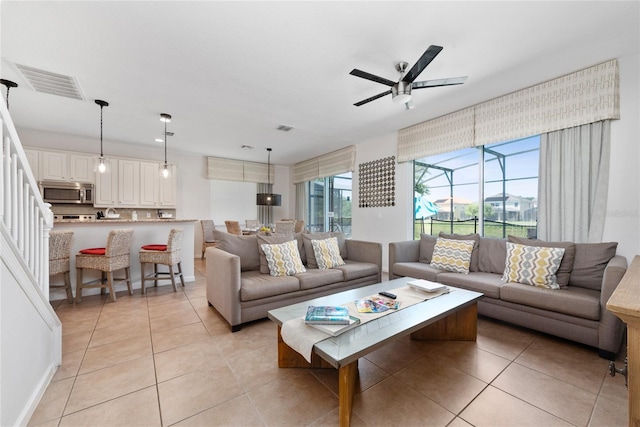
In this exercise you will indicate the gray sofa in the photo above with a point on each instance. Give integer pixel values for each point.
(577, 311)
(241, 289)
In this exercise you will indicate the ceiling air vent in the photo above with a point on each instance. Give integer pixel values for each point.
(51, 83)
(285, 128)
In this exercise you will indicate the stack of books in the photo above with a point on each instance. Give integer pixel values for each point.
(333, 320)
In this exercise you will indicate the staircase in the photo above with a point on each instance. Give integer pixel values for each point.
(30, 331)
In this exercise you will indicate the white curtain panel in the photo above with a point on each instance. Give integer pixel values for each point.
(301, 201)
(573, 182)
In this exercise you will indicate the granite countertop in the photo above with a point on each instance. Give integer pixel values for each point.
(122, 220)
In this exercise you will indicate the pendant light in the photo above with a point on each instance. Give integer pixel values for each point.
(9, 84)
(268, 199)
(101, 166)
(166, 118)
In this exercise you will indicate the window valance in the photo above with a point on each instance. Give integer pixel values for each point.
(237, 170)
(334, 163)
(586, 96)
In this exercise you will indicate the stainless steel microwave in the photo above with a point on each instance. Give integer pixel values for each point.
(67, 192)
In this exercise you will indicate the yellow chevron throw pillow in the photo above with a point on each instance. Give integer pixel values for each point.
(452, 255)
(327, 253)
(532, 265)
(283, 258)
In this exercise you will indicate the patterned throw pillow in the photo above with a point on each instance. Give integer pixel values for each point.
(452, 255)
(327, 253)
(283, 258)
(532, 265)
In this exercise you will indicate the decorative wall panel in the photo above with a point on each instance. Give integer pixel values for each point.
(377, 183)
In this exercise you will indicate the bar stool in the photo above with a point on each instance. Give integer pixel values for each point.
(115, 256)
(207, 235)
(169, 255)
(59, 254)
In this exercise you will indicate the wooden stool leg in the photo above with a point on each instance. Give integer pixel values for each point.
(173, 279)
(142, 277)
(127, 275)
(103, 279)
(180, 273)
(78, 285)
(67, 286)
(110, 286)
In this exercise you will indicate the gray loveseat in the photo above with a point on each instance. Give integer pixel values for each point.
(241, 289)
(588, 275)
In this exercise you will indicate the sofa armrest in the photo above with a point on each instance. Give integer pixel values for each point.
(407, 251)
(359, 250)
(611, 328)
(223, 284)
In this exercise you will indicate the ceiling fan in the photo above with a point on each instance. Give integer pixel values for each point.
(401, 90)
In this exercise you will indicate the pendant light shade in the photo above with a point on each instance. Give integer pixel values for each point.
(166, 118)
(101, 166)
(268, 199)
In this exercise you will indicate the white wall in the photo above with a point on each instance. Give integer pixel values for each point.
(622, 222)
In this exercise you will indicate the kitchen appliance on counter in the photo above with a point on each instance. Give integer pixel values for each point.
(67, 192)
(78, 217)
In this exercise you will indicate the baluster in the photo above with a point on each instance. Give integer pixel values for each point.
(13, 204)
(2, 177)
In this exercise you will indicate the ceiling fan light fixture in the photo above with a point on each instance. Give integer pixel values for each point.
(401, 92)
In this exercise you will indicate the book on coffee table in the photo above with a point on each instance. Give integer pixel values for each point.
(426, 285)
(327, 315)
(336, 330)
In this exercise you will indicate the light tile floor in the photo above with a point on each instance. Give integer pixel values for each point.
(169, 359)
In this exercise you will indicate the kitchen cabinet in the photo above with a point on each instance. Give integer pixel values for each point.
(128, 182)
(106, 190)
(149, 184)
(62, 166)
(167, 190)
(33, 157)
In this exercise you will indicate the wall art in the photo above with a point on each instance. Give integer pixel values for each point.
(377, 183)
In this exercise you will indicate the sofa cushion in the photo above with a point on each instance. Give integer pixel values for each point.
(427, 243)
(492, 253)
(487, 283)
(308, 247)
(271, 240)
(246, 247)
(283, 258)
(590, 262)
(473, 266)
(418, 270)
(316, 278)
(452, 255)
(564, 272)
(356, 270)
(327, 253)
(532, 265)
(255, 285)
(573, 301)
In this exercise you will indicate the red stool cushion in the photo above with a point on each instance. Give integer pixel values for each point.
(93, 251)
(155, 247)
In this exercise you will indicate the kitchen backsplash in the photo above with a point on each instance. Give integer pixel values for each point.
(125, 213)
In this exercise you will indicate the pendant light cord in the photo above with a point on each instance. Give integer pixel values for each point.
(101, 154)
(165, 143)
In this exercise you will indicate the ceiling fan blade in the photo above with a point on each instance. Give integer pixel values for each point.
(373, 98)
(439, 82)
(372, 77)
(428, 55)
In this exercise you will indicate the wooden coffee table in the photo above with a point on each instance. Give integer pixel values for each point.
(451, 316)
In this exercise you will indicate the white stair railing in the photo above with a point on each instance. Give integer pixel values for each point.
(26, 218)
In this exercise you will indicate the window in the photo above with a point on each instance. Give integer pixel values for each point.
(329, 207)
(448, 188)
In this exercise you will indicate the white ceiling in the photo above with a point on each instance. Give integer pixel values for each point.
(230, 72)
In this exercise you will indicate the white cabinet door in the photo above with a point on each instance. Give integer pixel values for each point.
(54, 165)
(168, 189)
(106, 190)
(149, 180)
(81, 168)
(34, 163)
(128, 182)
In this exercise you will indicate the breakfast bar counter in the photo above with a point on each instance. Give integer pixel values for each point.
(93, 234)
